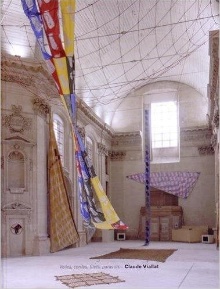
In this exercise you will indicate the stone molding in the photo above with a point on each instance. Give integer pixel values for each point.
(127, 139)
(16, 208)
(83, 107)
(34, 76)
(17, 142)
(196, 134)
(25, 80)
(37, 77)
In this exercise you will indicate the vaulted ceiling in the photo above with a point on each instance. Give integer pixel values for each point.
(124, 45)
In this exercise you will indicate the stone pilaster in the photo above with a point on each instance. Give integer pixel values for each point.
(41, 241)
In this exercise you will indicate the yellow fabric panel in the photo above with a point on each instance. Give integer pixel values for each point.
(68, 20)
(107, 209)
(103, 225)
(62, 73)
(63, 232)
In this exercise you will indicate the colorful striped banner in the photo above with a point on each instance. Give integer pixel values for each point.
(62, 67)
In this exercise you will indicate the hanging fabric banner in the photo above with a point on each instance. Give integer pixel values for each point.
(63, 232)
(110, 215)
(177, 183)
(147, 175)
(68, 21)
(63, 64)
(31, 11)
(49, 13)
(35, 19)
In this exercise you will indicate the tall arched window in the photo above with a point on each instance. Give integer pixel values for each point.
(90, 148)
(58, 125)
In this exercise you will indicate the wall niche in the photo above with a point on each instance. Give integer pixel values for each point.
(16, 172)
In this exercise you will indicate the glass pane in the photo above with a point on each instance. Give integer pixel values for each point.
(164, 124)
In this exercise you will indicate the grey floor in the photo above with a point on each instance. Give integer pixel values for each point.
(191, 266)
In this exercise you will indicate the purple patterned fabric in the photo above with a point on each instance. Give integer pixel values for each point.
(177, 183)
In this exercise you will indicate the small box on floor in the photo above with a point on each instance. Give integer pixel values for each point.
(121, 237)
(207, 239)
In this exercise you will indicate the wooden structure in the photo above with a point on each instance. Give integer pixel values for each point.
(165, 216)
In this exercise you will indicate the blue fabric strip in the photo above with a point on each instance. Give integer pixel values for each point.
(31, 11)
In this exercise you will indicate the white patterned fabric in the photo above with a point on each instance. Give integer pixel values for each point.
(179, 184)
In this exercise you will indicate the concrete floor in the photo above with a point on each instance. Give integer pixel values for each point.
(191, 266)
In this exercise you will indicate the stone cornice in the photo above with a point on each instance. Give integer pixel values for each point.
(83, 107)
(37, 78)
(34, 68)
(32, 76)
(127, 138)
(196, 134)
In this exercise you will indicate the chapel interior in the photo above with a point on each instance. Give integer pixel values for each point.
(129, 55)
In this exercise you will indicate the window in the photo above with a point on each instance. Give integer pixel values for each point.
(164, 124)
(89, 148)
(59, 134)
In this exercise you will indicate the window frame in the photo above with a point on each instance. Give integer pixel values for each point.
(58, 123)
(164, 134)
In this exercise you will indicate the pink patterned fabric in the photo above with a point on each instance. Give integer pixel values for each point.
(177, 183)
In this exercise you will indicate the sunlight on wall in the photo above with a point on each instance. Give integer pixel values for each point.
(18, 50)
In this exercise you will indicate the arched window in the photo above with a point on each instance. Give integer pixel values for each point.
(90, 148)
(58, 125)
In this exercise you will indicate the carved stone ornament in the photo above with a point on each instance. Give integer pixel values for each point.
(102, 149)
(117, 155)
(16, 229)
(15, 121)
(40, 106)
(16, 209)
(16, 190)
(16, 156)
(206, 150)
(16, 206)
